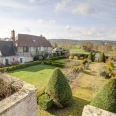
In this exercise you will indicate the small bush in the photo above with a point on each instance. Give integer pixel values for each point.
(75, 57)
(15, 63)
(104, 71)
(45, 101)
(1, 65)
(71, 57)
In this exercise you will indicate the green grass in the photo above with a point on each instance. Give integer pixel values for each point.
(37, 75)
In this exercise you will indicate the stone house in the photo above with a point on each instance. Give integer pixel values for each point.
(7, 52)
(29, 45)
(23, 48)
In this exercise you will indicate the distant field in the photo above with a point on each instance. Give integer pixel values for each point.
(78, 50)
(84, 86)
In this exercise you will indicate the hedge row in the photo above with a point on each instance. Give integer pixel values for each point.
(15, 67)
(79, 55)
(57, 58)
(57, 64)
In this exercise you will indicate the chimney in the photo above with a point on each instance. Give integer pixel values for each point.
(13, 35)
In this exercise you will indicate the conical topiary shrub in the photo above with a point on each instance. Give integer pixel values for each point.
(90, 57)
(106, 97)
(102, 58)
(58, 89)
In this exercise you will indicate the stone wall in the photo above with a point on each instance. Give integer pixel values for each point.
(93, 111)
(21, 103)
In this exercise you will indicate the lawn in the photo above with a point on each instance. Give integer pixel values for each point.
(37, 75)
(84, 86)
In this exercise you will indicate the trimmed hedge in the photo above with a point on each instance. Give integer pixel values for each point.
(57, 58)
(90, 57)
(106, 97)
(57, 64)
(59, 89)
(45, 101)
(11, 68)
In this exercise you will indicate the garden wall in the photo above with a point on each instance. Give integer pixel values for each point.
(93, 111)
(21, 103)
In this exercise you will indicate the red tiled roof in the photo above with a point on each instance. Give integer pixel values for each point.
(32, 41)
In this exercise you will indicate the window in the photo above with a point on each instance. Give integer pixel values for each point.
(13, 59)
(26, 49)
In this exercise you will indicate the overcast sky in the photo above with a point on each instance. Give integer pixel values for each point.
(59, 19)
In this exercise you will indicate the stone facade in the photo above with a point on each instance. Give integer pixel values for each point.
(9, 58)
(21, 103)
(93, 111)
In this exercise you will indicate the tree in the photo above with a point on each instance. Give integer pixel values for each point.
(95, 47)
(106, 97)
(106, 48)
(58, 89)
(67, 45)
(87, 46)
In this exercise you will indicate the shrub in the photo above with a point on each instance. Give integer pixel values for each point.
(75, 57)
(58, 89)
(40, 92)
(106, 97)
(57, 58)
(102, 58)
(104, 71)
(57, 64)
(1, 65)
(15, 63)
(90, 57)
(83, 62)
(71, 57)
(35, 58)
(11, 68)
(45, 101)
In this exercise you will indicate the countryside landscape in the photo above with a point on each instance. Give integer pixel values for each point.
(60, 60)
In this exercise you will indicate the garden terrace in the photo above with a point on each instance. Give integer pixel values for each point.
(84, 86)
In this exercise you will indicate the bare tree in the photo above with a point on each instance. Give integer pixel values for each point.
(67, 45)
(106, 48)
(87, 46)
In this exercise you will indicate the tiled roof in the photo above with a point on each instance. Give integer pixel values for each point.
(7, 48)
(32, 41)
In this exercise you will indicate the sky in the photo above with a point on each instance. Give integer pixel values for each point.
(59, 19)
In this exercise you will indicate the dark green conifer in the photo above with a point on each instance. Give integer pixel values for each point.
(102, 58)
(106, 97)
(59, 89)
(90, 57)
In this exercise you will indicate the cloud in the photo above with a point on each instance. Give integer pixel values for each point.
(31, 1)
(83, 9)
(26, 29)
(60, 5)
(68, 27)
(40, 21)
(52, 21)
